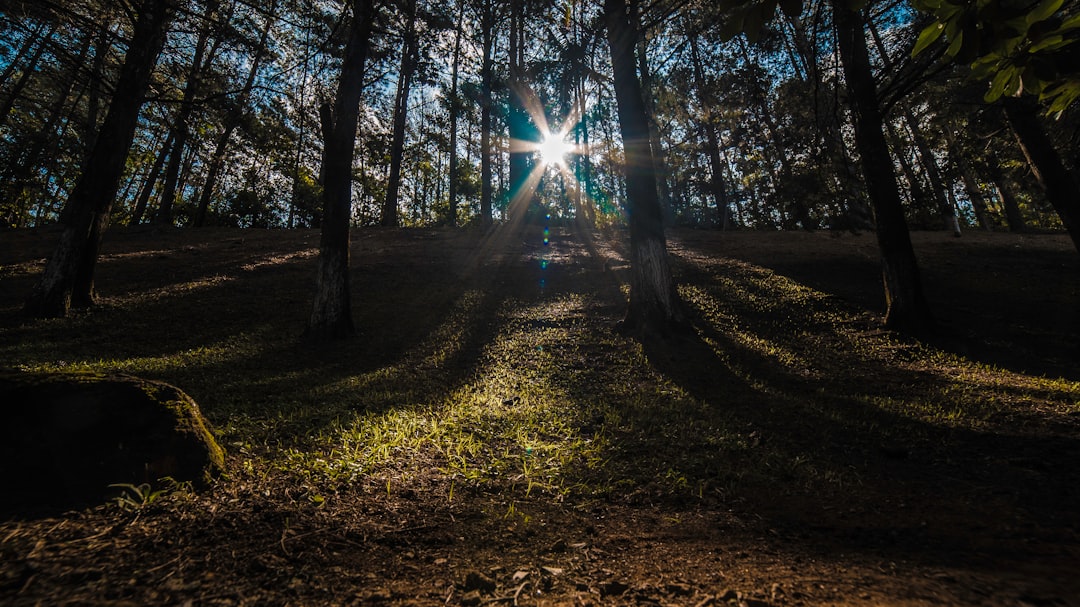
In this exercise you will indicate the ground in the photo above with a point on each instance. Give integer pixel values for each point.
(489, 438)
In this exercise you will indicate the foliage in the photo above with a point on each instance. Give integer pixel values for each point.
(1020, 48)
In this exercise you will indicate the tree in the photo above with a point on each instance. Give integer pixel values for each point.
(331, 315)
(906, 307)
(1046, 165)
(654, 306)
(68, 278)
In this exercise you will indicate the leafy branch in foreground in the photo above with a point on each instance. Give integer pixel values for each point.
(1017, 46)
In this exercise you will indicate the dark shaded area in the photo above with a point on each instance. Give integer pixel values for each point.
(68, 438)
(788, 441)
(1008, 300)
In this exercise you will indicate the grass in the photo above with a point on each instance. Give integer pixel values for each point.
(524, 391)
(489, 417)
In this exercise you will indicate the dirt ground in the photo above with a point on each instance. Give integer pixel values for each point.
(918, 513)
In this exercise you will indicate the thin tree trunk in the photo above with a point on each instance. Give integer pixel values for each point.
(181, 127)
(487, 67)
(401, 116)
(716, 181)
(654, 305)
(455, 111)
(143, 200)
(27, 75)
(331, 316)
(73, 261)
(233, 119)
(1013, 217)
(517, 117)
(906, 307)
(1045, 163)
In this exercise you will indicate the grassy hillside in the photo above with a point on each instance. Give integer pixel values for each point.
(489, 438)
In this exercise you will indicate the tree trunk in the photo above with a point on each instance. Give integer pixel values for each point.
(152, 177)
(646, 83)
(939, 190)
(401, 116)
(1045, 163)
(487, 67)
(73, 261)
(906, 307)
(716, 182)
(331, 316)
(654, 305)
(455, 111)
(1013, 217)
(27, 74)
(517, 116)
(180, 125)
(233, 119)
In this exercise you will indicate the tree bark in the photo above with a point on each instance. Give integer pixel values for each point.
(1045, 163)
(28, 73)
(1013, 217)
(654, 306)
(74, 259)
(716, 182)
(487, 35)
(180, 126)
(331, 316)
(401, 116)
(906, 307)
(232, 121)
(517, 117)
(455, 111)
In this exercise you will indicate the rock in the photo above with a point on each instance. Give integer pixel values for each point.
(65, 437)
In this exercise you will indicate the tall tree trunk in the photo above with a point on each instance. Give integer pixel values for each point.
(143, 199)
(517, 116)
(180, 126)
(27, 75)
(654, 305)
(73, 261)
(233, 118)
(32, 39)
(93, 104)
(455, 112)
(939, 190)
(487, 35)
(43, 148)
(1013, 217)
(401, 116)
(331, 316)
(971, 186)
(646, 82)
(1045, 163)
(716, 182)
(906, 307)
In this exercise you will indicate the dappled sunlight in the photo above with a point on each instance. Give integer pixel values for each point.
(277, 259)
(186, 288)
(811, 340)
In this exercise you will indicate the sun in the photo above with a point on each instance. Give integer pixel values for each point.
(554, 149)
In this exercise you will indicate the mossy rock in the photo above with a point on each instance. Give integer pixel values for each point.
(65, 437)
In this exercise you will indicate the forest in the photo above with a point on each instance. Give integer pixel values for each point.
(679, 302)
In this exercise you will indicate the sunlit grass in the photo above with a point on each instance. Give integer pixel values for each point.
(530, 395)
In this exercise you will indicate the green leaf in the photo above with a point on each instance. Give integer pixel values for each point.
(1050, 43)
(957, 43)
(928, 36)
(1070, 24)
(1015, 84)
(1044, 10)
(997, 86)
